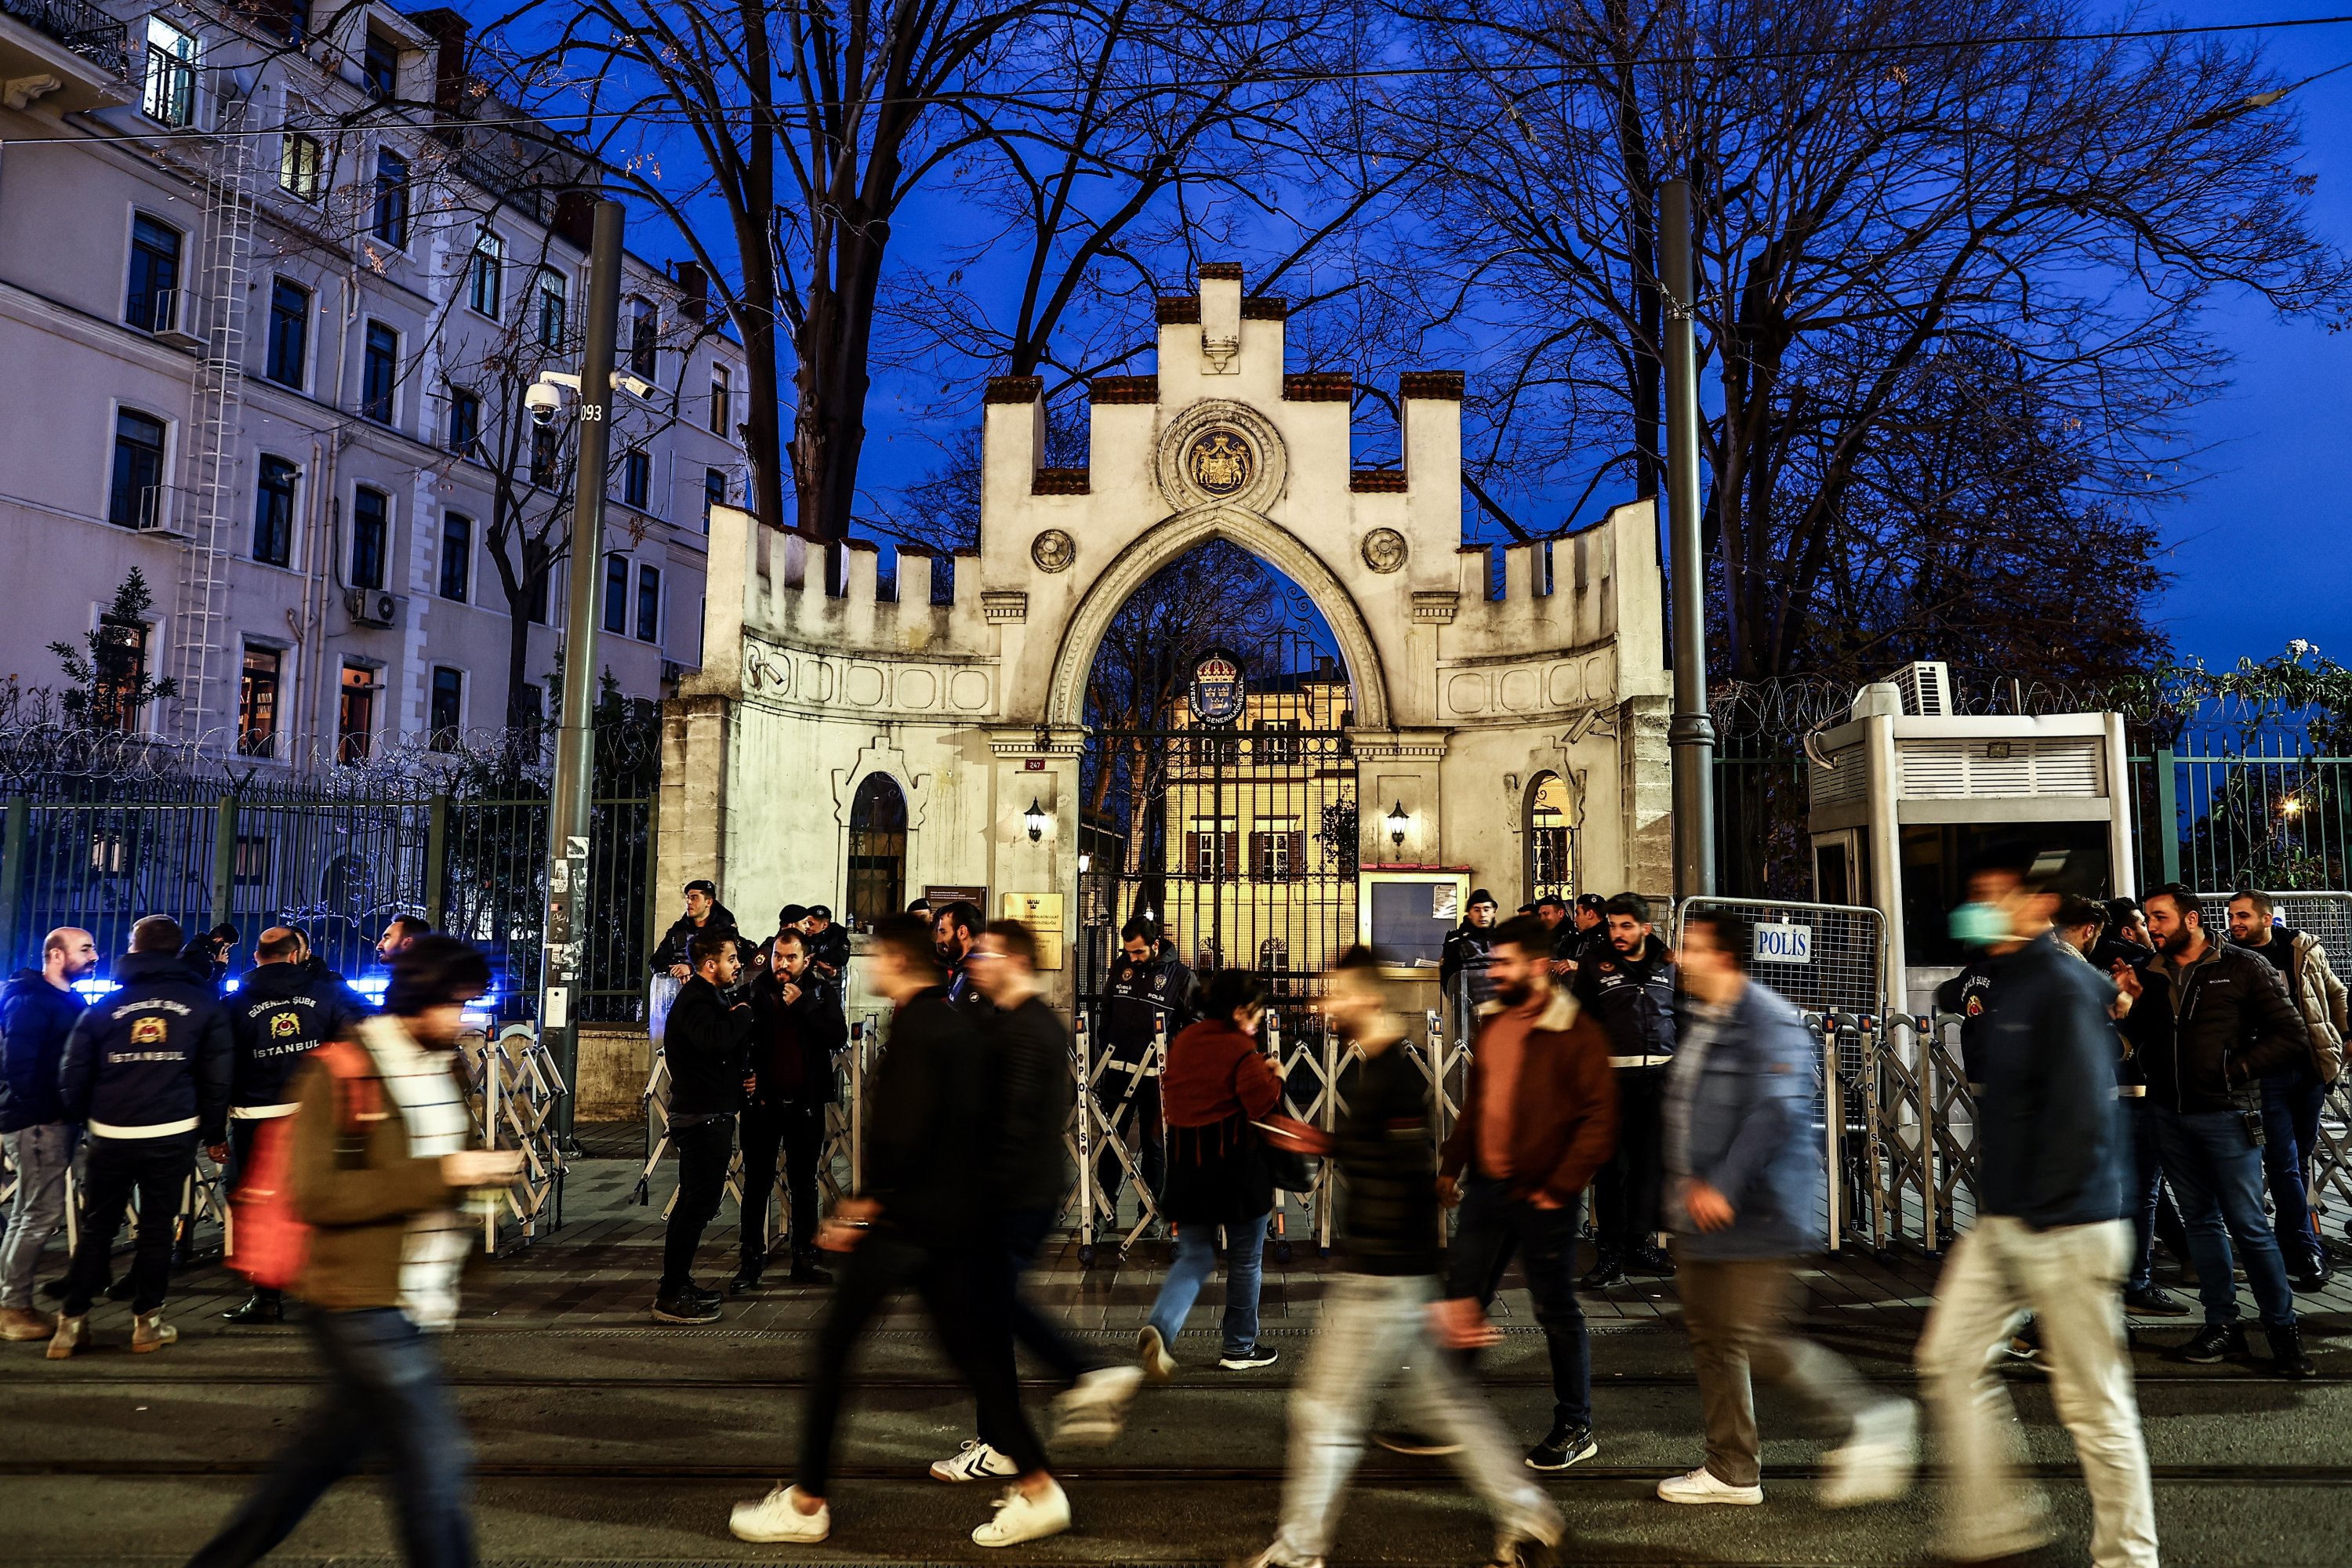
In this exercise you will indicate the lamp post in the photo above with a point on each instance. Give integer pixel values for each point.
(1690, 735)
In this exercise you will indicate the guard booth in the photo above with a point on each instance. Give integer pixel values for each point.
(1906, 794)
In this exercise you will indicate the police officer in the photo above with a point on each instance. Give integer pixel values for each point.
(1468, 950)
(285, 1008)
(1149, 992)
(148, 1070)
(828, 943)
(1630, 988)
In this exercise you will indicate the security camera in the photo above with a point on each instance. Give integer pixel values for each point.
(543, 401)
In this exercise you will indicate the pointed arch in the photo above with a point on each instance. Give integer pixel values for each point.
(1171, 537)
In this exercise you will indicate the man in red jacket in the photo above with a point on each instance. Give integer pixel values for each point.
(1539, 1120)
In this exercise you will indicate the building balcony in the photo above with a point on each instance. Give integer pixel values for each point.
(62, 56)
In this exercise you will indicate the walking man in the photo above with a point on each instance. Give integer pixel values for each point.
(1149, 994)
(283, 1011)
(1629, 987)
(1381, 1316)
(148, 1070)
(1538, 1121)
(918, 1223)
(796, 1029)
(1031, 1093)
(381, 1162)
(707, 1045)
(2050, 1238)
(38, 1010)
(2293, 1095)
(2208, 1021)
(1744, 1171)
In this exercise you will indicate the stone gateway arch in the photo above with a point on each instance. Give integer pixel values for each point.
(1490, 708)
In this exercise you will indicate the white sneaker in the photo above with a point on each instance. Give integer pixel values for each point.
(1151, 1353)
(973, 1462)
(1874, 1463)
(1020, 1516)
(773, 1518)
(1094, 1412)
(1700, 1485)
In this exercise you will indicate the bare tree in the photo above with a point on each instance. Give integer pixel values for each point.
(1897, 226)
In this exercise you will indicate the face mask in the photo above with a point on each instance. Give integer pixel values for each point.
(1979, 925)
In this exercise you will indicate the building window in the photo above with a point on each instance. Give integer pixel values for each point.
(122, 668)
(543, 455)
(447, 713)
(1551, 841)
(301, 165)
(379, 373)
(719, 391)
(714, 493)
(536, 593)
(877, 851)
(289, 333)
(1275, 742)
(170, 92)
(644, 328)
(390, 221)
(152, 302)
(380, 66)
(287, 19)
(257, 702)
(464, 422)
(484, 274)
(456, 555)
(355, 715)
(1209, 846)
(550, 310)
(371, 536)
(616, 593)
(1277, 850)
(649, 603)
(136, 498)
(273, 513)
(636, 478)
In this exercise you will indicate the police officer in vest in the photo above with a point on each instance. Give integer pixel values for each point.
(1630, 986)
(284, 1009)
(147, 1069)
(1149, 995)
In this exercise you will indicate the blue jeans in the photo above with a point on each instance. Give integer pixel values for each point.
(1495, 1224)
(2291, 1102)
(2217, 1178)
(1196, 1260)
(385, 1389)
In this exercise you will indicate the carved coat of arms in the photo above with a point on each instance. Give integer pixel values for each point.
(1220, 462)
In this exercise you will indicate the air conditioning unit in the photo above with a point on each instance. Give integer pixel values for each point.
(175, 315)
(672, 672)
(373, 606)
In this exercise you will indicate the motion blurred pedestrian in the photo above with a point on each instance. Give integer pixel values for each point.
(400, 934)
(1218, 1084)
(1744, 1172)
(917, 1222)
(1538, 1121)
(1381, 1315)
(38, 1010)
(797, 1030)
(707, 1048)
(381, 1162)
(2293, 1094)
(1025, 1168)
(1629, 989)
(282, 1011)
(147, 1072)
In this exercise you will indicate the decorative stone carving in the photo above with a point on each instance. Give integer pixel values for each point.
(1384, 550)
(1005, 605)
(1217, 451)
(1053, 551)
(1220, 462)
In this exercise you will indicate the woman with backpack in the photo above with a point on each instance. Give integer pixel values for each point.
(1217, 1082)
(381, 1162)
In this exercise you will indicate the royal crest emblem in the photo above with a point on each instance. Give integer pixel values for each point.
(285, 1026)
(1221, 462)
(1219, 692)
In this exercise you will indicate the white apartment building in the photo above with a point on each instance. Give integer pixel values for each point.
(264, 325)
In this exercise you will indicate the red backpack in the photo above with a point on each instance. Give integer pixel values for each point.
(270, 1240)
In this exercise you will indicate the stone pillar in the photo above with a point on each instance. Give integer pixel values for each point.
(1645, 790)
(696, 829)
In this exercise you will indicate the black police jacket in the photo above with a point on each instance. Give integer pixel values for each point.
(1140, 995)
(153, 1059)
(1632, 998)
(280, 1013)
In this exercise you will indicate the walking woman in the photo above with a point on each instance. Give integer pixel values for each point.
(1217, 1082)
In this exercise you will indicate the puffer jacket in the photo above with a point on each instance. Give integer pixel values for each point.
(34, 1019)
(1740, 1118)
(1383, 1151)
(2319, 996)
(2204, 1034)
(152, 1060)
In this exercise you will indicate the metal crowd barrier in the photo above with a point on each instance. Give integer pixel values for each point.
(515, 1088)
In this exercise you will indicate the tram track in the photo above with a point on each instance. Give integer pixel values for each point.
(58, 1383)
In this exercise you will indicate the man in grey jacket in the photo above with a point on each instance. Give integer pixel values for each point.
(2292, 1095)
(1743, 1179)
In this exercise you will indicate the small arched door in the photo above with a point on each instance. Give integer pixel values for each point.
(876, 880)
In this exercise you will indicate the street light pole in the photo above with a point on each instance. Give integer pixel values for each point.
(1691, 734)
(565, 929)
